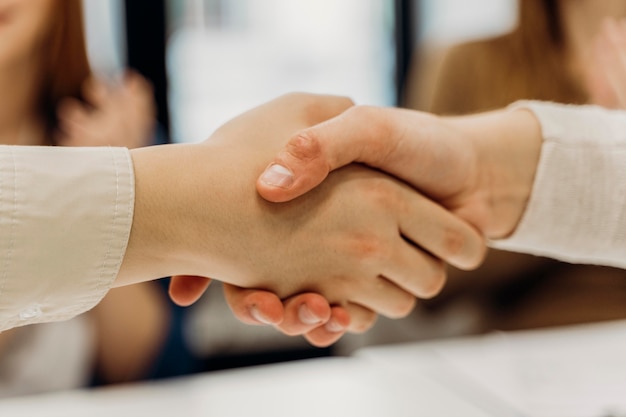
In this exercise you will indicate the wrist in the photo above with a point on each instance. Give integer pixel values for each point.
(507, 145)
(518, 147)
(192, 205)
(156, 240)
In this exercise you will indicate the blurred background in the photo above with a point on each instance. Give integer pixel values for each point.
(210, 60)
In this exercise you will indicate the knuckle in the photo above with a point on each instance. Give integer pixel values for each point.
(383, 193)
(306, 145)
(454, 243)
(370, 248)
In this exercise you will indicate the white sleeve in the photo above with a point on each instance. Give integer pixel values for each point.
(577, 208)
(65, 219)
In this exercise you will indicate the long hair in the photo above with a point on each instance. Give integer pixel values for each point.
(66, 66)
(540, 20)
(528, 63)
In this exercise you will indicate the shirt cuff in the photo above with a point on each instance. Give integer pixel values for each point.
(576, 211)
(65, 219)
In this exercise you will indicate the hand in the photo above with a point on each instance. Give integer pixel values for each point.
(480, 167)
(122, 115)
(196, 214)
(606, 74)
(307, 314)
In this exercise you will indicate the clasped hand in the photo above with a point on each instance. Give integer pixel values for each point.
(366, 242)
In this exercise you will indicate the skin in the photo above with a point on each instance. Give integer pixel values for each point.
(584, 25)
(481, 167)
(123, 115)
(28, 24)
(118, 115)
(606, 80)
(602, 75)
(362, 219)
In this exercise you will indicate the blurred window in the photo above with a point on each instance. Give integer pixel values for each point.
(226, 56)
(452, 21)
(105, 36)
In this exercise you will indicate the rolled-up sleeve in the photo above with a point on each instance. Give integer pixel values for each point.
(65, 219)
(577, 208)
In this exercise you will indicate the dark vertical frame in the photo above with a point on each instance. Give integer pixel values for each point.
(405, 35)
(146, 43)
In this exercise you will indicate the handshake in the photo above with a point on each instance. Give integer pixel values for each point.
(318, 214)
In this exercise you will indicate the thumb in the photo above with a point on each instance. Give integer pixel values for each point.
(187, 289)
(407, 144)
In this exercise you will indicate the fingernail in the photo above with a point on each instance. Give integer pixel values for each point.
(277, 176)
(306, 316)
(333, 326)
(256, 314)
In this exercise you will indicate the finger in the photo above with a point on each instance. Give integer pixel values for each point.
(384, 297)
(96, 92)
(254, 306)
(185, 290)
(76, 123)
(382, 138)
(361, 318)
(140, 90)
(71, 109)
(329, 333)
(440, 232)
(135, 81)
(415, 271)
(303, 313)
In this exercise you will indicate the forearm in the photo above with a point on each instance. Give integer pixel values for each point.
(182, 212)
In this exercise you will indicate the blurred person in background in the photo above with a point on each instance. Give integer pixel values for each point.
(563, 51)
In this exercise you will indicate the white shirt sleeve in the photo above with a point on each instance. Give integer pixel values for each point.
(65, 219)
(577, 208)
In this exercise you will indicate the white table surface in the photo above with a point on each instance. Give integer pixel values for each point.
(579, 371)
(321, 387)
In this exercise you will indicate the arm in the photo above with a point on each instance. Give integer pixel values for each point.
(123, 115)
(234, 156)
(196, 213)
(483, 168)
